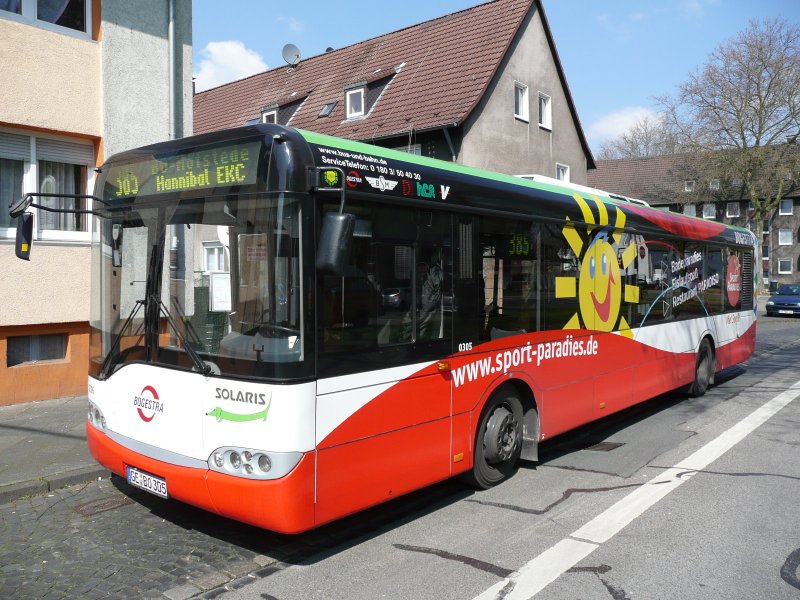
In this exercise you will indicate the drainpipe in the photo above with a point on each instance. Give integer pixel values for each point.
(173, 105)
(450, 141)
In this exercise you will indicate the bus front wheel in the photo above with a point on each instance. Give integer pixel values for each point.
(704, 370)
(498, 440)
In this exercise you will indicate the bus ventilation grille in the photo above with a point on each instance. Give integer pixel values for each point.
(747, 281)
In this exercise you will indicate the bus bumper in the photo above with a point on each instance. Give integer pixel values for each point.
(284, 505)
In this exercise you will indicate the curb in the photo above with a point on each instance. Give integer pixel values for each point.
(15, 491)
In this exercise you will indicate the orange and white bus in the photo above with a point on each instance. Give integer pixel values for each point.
(288, 327)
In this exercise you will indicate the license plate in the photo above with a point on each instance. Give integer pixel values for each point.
(146, 481)
(785, 312)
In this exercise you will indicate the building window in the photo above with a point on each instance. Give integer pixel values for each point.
(713, 185)
(35, 348)
(784, 237)
(786, 207)
(765, 251)
(46, 165)
(690, 210)
(785, 266)
(66, 13)
(62, 178)
(355, 103)
(709, 211)
(562, 172)
(545, 117)
(732, 209)
(215, 257)
(73, 15)
(327, 109)
(269, 116)
(765, 227)
(521, 101)
(410, 149)
(688, 185)
(11, 175)
(14, 6)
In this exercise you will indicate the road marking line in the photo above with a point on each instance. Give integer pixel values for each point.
(541, 571)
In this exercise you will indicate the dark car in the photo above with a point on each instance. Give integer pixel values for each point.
(785, 301)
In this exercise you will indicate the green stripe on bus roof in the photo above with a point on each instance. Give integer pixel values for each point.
(353, 146)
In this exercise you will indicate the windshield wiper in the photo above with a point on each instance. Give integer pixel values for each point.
(199, 363)
(108, 362)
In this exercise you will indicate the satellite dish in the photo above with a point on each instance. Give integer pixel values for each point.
(291, 54)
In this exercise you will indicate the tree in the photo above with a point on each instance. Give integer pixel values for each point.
(740, 114)
(647, 137)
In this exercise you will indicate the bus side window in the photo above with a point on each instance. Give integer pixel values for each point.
(509, 267)
(655, 283)
(558, 264)
(395, 295)
(688, 272)
(714, 276)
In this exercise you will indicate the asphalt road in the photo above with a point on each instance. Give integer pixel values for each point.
(723, 524)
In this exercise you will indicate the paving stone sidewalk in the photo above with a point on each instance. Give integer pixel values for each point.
(43, 447)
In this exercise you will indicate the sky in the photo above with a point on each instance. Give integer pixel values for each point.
(618, 55)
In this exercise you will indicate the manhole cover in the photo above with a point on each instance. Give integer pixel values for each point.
(605, 446)
(88, 509)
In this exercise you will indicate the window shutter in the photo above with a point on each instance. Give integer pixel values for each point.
(17, 147)
(72, 152)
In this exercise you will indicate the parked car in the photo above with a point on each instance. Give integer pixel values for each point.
(396, 298)
(785, 301)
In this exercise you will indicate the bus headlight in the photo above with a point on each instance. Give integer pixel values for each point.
(253, 464)
(264, 463)
(95, 417)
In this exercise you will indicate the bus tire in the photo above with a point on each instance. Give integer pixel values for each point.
(498, 440)
(703, 371)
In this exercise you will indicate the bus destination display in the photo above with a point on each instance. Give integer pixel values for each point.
(221, 166)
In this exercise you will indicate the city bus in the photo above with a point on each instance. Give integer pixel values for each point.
(287, 327)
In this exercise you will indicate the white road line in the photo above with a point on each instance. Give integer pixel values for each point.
(541, 571)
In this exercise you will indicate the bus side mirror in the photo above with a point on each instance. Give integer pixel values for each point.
(24, 236)
(335, 238)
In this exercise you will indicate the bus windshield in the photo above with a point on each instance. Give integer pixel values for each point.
(212, 284)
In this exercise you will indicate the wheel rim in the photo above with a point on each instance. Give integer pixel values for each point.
(501, 437)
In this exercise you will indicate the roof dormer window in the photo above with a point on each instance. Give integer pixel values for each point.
(269, 116)
(354, 100)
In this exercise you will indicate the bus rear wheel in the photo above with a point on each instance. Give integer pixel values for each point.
(498, 440)
(704, 370)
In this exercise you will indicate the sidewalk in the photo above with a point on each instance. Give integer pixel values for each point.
(43, 447)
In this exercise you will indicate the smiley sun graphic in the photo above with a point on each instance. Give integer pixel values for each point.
(599, 286)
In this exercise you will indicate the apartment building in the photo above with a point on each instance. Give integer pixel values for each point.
(670, 182)
(80, 80)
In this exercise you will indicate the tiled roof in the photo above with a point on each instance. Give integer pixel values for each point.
(654, 179)
(439, 71)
